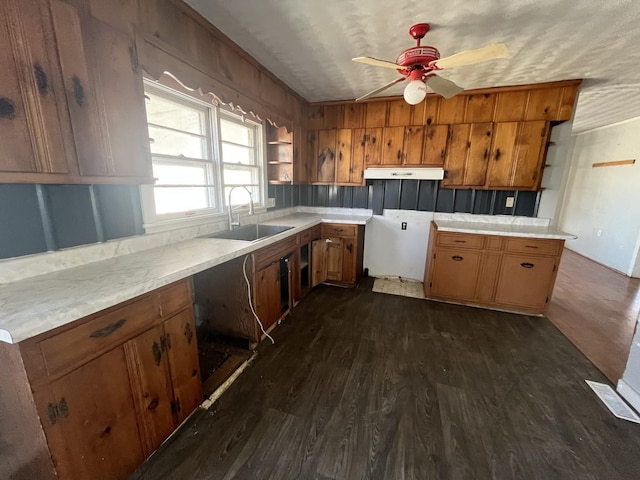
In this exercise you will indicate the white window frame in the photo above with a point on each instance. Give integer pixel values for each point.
(154, 222)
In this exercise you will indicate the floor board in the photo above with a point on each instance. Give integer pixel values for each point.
(597, 309)
(362, 385)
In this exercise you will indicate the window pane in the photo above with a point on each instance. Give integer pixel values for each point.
(168, 142)
(237, 154)
(241, 197)
(176, 174)
(236, 133)
(180, 199)
(234, 176)
(175, 115)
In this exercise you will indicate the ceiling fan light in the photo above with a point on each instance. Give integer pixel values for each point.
(415, 92)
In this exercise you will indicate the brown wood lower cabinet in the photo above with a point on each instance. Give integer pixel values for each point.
(338, 255)
(104, 411)
(510, 273)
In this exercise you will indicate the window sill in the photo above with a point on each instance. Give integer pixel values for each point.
(186, 222)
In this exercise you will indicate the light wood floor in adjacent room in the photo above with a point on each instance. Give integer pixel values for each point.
(596, 308)
(362, 385)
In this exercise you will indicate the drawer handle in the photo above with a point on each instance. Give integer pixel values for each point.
(350, 247)
(457, 258)
(530, 246)
(157, 353)
(527, 265)
(108, 330)
(188, 333)
(460, 241)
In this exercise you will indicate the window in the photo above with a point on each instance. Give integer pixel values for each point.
(199, 152)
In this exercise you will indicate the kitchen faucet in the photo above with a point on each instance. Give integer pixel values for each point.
(251, 212)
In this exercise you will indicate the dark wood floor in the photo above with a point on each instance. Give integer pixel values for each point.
(361, 385)
(596, 308)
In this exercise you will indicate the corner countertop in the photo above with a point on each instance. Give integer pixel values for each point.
(35, 305)
(503, 225)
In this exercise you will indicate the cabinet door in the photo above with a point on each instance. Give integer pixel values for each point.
(319, 261)
(478, 154)
(456, 157)
(35, 132)
(184, 365)
(359, 142)
(499, 173)
(343, 155)
(105, 96)
(334, 258)
(392, 145)
(435, 145)
(455, 273)
(373, 146)
(267, 294)
(531, 144)
(525, 281)
(151, 385)
(413, 145)
(89, 419)
(326, 156)
(349, 259)
(516, 159)
(468, 155)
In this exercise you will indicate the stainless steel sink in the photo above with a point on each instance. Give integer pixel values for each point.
(251, 233)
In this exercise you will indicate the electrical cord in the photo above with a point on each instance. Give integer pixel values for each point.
(255, 315)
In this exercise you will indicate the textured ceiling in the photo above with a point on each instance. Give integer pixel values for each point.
(309, 44)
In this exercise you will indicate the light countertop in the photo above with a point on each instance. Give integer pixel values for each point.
(35, 305)
(504, 229)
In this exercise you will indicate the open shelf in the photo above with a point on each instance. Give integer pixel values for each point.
(280, 155)
(278, 142)
(277, 162)
(280, 182)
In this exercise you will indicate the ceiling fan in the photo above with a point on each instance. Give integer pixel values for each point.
(419, 64)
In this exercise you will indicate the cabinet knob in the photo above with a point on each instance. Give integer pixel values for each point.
(7, 109)
(457, 258)
(41, 79)
(108, 330)
(157, 353)
(78, 90)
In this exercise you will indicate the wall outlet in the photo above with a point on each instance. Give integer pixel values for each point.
(403, 226)
(510, 201)
(271, 202)
(598, 232)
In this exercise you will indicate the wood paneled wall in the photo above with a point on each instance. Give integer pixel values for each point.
(172, 37)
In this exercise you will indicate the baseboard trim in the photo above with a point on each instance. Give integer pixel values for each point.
(631, 395)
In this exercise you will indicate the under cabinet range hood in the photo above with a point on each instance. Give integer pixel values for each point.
(435, 173)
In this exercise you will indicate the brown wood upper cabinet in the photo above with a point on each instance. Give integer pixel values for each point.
(72, 105)
(505, 155)
(414, 146)
(340, 155)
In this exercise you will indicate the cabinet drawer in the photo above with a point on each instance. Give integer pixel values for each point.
(310, 235)
(465, 240)
(534, 245)
(174, 297)
(270, 254)
(339, 230)
(90, 338)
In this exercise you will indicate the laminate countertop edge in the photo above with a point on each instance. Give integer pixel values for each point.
(36, 305)
(503, 229)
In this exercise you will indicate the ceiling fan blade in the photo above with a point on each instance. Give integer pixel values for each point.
(381, 89)
(377, 63)
(470, 57)
(443, 87)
